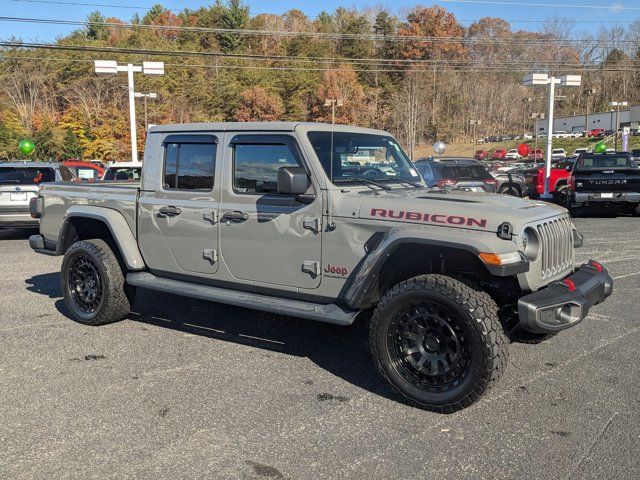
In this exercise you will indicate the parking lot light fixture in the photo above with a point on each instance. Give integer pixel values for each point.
(617, 106)
(540, 79)
(111, 67)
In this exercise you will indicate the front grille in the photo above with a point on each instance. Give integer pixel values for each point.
(556, 243)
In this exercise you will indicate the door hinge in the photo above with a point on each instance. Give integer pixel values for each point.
(211, 217)
(309, 266)
(312, 224)
(210, 254)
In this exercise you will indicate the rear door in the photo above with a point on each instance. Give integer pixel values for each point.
(178, 219)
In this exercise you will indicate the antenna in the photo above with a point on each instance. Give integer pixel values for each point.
(331, 102)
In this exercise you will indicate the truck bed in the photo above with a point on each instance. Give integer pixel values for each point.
(60, 196)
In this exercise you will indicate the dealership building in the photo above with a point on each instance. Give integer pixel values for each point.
(630, 117)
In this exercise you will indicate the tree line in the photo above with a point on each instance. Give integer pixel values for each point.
(422, 77)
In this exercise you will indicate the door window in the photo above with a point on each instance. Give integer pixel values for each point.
(255, 166)
(189, 166)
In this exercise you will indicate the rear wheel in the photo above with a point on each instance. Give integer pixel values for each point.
(438, 342)
(93, 283)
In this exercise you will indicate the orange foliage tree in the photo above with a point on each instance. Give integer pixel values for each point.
(259, 105)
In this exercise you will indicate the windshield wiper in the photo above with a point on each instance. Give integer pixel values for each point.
(402, 180)
(363, 180)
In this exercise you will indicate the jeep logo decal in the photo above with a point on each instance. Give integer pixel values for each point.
(342, 271)
(428, 217)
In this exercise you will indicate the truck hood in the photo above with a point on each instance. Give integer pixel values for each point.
(476, 211)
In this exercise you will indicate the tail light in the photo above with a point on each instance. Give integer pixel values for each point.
(490, 181)
(446, 182)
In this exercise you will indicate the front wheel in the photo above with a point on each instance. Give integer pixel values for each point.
(93, 283)
(438, 342)
(510, 189)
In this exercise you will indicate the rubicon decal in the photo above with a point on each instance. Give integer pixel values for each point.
(428, 217)
(336, 270)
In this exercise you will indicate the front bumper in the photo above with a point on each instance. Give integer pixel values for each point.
(564, 304)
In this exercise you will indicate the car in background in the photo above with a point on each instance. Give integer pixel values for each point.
(513, 154)
(461, 174)
(596, 133)
(19, 183)
(558, 180)
(609, 151)
(499, 153)
(123, 172)
(579, 151)
(536, 154)
(605, 180)
(558, 154)
(85, 171)
(481, 154)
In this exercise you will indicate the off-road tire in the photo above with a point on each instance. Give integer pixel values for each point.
(561, 196)
(474, 318)
(95, 262)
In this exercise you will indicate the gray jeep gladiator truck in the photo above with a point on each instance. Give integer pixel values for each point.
(279, 217)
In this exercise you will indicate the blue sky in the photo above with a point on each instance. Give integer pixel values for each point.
(580, 10)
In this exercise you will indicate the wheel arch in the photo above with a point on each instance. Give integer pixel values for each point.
(85, 222)
(402, 255)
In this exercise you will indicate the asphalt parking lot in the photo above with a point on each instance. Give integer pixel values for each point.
(188, 389)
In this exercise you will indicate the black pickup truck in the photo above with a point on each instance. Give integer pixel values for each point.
(608, 180)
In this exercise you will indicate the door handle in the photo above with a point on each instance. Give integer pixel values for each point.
(236, 216)
(169, 211)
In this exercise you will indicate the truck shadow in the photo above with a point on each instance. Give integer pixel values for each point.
(17, 233)
(342, 351)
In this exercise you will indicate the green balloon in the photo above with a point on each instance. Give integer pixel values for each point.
(600, 147)
(27, 146)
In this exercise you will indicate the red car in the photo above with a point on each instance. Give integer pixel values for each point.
(85, 171)
(536, 154)
(481, 154)
(596, 132)
(534, 178)
(499, 153)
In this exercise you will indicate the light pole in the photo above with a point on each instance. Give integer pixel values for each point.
(111, 67)
(525, 101)
(588, 93)
(474, 124)
(539, 79)
(617, 106)
(536, 116)
(145, 96)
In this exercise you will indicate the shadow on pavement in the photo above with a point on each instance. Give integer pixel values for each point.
(342, 351)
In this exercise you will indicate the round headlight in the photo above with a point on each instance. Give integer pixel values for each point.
(530, 244)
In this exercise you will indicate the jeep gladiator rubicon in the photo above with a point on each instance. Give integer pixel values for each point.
(606, 180)
(273, 216)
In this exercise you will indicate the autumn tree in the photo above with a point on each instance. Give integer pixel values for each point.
(341, 83)
(437, 23)
(259, 105)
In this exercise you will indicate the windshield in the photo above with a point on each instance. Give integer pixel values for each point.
(605, 161)
(26, 175)
(125, 174)
(362, 157)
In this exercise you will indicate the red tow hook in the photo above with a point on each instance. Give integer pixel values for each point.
(569, 283)
(596, 265)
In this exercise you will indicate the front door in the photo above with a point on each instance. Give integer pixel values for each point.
(178, 224)
(267, 237)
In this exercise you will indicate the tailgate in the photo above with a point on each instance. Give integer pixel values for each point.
(614, 180)
(16, 197)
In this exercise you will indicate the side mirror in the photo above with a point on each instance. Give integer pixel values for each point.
(293, 180)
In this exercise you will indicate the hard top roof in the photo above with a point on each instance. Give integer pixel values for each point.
(259, 126)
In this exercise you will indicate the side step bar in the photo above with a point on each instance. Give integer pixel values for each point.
(330, 313)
